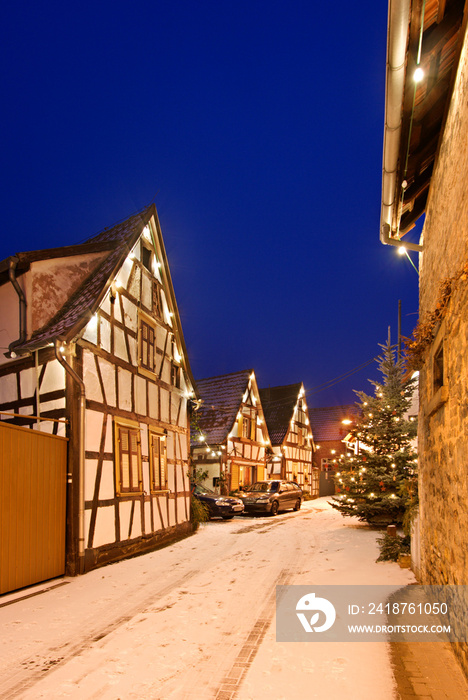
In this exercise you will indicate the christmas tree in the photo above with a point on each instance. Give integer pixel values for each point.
(378, 484)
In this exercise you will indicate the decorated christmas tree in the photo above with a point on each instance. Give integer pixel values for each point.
(378, 483)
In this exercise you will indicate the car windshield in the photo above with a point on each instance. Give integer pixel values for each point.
(264, 486)
(203, 490)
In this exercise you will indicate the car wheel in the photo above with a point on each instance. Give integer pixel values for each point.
(274, 508)
(298, 504)
(227, 517)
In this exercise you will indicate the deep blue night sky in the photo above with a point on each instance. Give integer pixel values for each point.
(257, 130)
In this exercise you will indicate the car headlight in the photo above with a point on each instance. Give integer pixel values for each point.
(263, 498)
(221, 502)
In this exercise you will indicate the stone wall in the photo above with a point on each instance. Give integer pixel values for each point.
(443, 417)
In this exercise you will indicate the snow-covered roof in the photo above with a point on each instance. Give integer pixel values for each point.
(327, 422)
(221, 397)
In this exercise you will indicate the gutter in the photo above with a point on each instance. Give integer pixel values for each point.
(12, 264)
(398, 23)
(81, 456)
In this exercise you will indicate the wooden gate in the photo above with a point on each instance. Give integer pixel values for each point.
(33, 468)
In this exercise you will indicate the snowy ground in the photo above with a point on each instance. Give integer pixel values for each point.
(186, 621)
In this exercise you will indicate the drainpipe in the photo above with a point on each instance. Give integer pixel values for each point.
(13, 262)
(81, 457)
(398, 23)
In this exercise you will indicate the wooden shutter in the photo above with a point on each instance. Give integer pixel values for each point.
(234, 477)
(239, 427)
(253, 429)
(158, 462)
(147, 346)
(128, 460)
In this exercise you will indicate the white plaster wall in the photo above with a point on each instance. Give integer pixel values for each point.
(105, 335)
(54, 377)
(124, 273)
(158, 522)
(130, 314)
(52, 405)
(132, 344)
(106, 305)
(106, 487)
(161, 334)
(117, 309)
(93, 428)
(145, 471)
(90, 333)
(136, 524)
(164, 394)
(26, 410)
(90, 478)
(120, 348)
(104, 532)
(174, 407)
(172, 518)
(109, 439)
(125, 389)
(28, 382)
(153, 400)
(124, 513)
(147, 517)
(90, 378)
(181, 507)
(140, 395)
(108, 379)
(134, 286)
(147, 291)
(8, 388)
(166, 310)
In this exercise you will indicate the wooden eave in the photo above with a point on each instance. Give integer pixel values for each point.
(424, 108)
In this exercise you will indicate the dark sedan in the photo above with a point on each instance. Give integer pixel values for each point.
(225, 507)
(272, 496)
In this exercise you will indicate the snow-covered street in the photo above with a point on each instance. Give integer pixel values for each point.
(196, 619)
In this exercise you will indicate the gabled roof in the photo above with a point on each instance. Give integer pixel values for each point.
(278, 407)
(222, 397)
(327, 422)
(73, 316)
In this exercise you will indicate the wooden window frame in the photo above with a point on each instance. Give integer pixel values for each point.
(157, 309)
(158, 462)
(146, 366)
(131, 429)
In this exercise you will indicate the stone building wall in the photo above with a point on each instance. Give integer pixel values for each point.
(443, 416)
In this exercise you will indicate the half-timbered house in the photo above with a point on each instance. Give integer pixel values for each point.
(330, 426)
(292, 443)
(230, 438)
(96, 354)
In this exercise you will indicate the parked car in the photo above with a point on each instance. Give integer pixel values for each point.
(272, 496)
(225, 507)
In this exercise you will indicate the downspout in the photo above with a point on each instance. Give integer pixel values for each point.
(398, 23)
(81, 457)
(13, 262)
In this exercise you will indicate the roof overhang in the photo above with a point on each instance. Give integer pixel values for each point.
(426, 34)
